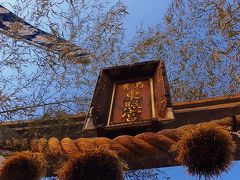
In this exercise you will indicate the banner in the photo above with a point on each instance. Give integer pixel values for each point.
(15, 27)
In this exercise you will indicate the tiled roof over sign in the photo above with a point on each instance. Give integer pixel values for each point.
(15, 27)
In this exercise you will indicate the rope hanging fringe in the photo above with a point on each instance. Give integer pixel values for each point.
(147, 148)
(24, 166)
(98, 164)
(206, 150)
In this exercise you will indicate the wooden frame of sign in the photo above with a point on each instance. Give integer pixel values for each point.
(129, 99)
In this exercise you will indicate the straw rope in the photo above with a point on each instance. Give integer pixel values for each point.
(130, 148)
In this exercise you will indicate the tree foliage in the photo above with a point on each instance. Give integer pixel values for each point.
(33, 81)
(199, 41)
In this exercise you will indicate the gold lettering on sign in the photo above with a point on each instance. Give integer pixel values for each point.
(125, 86)
(132, 103)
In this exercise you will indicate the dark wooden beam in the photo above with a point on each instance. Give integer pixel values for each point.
(187, 112)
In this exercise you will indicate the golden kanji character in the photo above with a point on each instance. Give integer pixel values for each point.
(125, 86)
(139, 85)
(132, 107)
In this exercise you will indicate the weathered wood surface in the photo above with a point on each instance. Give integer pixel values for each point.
(145, 150)
(129, 95)
(192, 112)
(188, 112)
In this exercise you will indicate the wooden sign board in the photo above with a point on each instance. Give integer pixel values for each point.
(130, 99)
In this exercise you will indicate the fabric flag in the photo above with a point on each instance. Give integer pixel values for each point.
(15, 27)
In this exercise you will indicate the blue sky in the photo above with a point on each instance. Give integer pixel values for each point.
(145, 12)
(149, 13)
(180, 173)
